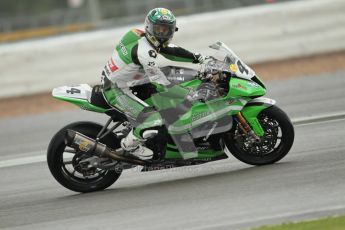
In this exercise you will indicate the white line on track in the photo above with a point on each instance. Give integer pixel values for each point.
(320, 122)
(297, 121)
(318, 118)
(23, 160)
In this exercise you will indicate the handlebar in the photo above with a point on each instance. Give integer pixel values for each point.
(213, 67)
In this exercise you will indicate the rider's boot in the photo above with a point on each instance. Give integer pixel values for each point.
(133, 145)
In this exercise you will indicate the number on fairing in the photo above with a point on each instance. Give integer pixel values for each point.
(242, 68)
(73, 91)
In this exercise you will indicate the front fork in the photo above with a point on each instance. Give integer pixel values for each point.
(249, 114)
(248, 117)
(246, 129)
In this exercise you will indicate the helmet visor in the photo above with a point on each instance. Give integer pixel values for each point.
(163, 31)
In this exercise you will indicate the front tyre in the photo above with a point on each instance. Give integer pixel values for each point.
(65, 163)
(274, 145)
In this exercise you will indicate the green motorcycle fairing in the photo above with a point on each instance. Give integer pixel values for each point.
(238, 99)
(245, 91)
(200, 112)
(245, 88)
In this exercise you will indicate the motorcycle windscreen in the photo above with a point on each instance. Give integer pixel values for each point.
(232, 63)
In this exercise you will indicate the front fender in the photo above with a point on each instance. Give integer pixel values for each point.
(252, 109)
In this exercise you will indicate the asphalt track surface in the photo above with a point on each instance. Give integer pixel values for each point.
(308, 183)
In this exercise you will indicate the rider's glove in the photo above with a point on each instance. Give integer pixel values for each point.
(198, 58)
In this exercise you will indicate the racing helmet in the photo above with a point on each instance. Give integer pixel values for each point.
(160, 26)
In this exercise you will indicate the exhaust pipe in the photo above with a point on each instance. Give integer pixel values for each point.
(86, 144)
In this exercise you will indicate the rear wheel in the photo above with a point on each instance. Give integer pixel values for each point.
(71, 167)
(274, 145)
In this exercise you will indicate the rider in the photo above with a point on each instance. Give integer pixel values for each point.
(134, 62)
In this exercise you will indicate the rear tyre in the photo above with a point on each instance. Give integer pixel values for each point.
(64, 162)
(276, 142)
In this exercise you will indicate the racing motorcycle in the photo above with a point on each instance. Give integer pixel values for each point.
(233, 117)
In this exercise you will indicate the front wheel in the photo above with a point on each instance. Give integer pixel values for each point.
(274, 145)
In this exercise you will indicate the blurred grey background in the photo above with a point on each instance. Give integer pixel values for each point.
(16, 15)
(46, 44)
